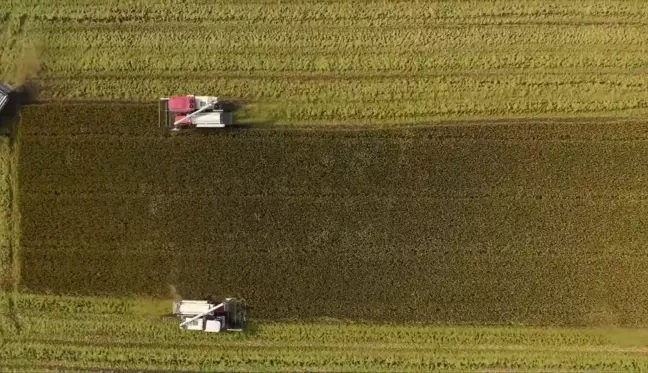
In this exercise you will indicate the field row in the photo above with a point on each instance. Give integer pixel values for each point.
(507, 160)
(334, 10)
(307, 89)
(140, 320)
(344, 39)
(279, 359)
(544, 67)
(99, 333)
(77, 119)
(473, 262)
(362, 110)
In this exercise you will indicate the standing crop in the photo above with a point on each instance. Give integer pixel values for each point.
(357, 63)
(505, 222)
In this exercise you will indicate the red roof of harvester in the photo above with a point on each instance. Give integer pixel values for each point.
(181, 104)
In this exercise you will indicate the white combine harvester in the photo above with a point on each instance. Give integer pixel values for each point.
(207, 316)
(181, 113)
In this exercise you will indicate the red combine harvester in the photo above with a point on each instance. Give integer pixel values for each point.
(181, 113)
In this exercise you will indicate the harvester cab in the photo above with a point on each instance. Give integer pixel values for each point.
(182, 113)
(207, 316)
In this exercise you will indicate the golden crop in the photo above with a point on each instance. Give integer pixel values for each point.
(346, 63)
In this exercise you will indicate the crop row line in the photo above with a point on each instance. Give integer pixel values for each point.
(605, 76)
(355, 347)
(78, 23)
(316, 14)
(357, 36)
(334, 361)
(294, 16)
(355, 79)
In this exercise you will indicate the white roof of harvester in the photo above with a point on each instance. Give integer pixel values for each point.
(4, 95)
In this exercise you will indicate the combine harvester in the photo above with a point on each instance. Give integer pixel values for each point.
(207, 316)
(183, 113)
(7, 107)
(5, 90)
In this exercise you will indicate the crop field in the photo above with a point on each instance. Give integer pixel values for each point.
(423, 185)
(340, 62)
(65, 334)
(536, 222)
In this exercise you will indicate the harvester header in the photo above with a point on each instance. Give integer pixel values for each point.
(180, 113)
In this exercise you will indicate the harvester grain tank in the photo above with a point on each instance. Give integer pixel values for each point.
(181, 113)
(208, 316)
